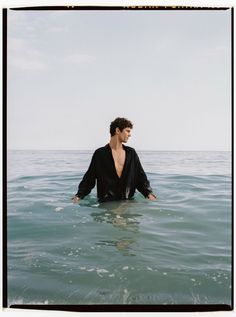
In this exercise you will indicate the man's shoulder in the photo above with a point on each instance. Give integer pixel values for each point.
(129, 148)
(101, 149)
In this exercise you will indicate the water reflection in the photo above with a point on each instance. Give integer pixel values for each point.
(123, 245)
(121, 215)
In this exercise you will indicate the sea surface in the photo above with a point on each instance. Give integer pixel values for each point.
(176, 250)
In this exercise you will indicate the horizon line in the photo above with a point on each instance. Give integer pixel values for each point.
(147, 150)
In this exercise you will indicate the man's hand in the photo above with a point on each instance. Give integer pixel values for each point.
(151, 197)
(75, 200)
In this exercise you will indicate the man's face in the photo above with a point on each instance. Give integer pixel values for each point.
(124, 134)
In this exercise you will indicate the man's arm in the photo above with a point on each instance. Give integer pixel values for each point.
(142, 183)
(87, 183)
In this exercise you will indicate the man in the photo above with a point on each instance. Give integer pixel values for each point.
(116, 168)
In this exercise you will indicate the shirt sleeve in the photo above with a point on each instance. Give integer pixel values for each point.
(89, 180)
(142, 183)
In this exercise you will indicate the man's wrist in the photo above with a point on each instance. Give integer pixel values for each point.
(152, 195)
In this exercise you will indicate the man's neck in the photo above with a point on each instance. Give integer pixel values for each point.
(115, 144)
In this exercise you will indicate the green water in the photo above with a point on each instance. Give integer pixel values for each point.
(176, 250)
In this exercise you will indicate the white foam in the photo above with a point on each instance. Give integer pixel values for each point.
(59, 209)
(21, 301)
(99, 271)
(102, 271)
(95, 205)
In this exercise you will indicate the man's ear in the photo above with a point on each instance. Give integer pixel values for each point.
(117, 131)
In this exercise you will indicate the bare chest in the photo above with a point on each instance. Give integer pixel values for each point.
(119, 160)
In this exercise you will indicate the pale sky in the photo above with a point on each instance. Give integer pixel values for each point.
(70, 73)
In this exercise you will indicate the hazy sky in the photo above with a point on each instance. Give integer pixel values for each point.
(70, 73)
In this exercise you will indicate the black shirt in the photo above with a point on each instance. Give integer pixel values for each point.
(109, 185)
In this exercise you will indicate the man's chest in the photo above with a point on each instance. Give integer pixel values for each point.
(119, 161)
(119, 157)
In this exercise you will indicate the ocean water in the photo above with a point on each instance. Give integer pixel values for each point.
(176, 250)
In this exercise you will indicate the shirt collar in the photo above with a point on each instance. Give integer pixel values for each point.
(107, 146)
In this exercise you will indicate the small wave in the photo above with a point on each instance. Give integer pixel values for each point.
(198, 178)
(23, 301)
(62, 176)
(59, 209)
(125, 268)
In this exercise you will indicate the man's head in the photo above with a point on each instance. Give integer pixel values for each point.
(122, 128)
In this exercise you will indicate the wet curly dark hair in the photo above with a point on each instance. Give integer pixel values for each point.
(120, 123)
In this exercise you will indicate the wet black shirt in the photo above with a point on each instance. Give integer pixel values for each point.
(109, 185)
